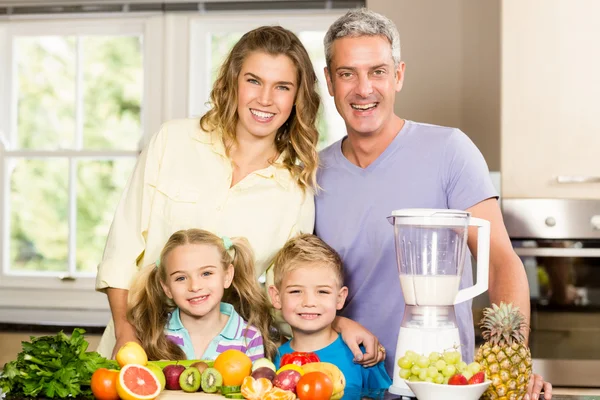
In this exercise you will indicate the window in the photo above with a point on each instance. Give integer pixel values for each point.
(212, 37)
(76, 107)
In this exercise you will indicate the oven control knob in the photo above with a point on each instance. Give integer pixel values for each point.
(550, 221)
(595, 222)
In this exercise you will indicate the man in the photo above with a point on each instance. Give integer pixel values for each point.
(387, 163)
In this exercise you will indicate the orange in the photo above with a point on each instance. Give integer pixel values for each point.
(104, 384)
(255, 389)
(234, 366)
(279, 394)
(137, 382)
(131, 353)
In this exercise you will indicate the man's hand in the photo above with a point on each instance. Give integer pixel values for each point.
(536, 384)
(354, 334)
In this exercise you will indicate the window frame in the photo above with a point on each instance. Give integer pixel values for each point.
(51, 292)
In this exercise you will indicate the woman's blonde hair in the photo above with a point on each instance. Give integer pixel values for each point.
(149, 307)
(297, 138)
(303, 250)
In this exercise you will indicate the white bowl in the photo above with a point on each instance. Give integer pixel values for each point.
(435, 391)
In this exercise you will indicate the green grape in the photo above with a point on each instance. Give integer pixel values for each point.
(415, 370)
(423, 374)
(449, 370)
(461, 366)
(428, 379)
(446, 378)
(439, 378)
(440, 365)
(413, 378)
(467, 374)
(474, 368)
(451, 357)
(432, 371)
(423, 362)
(404, 362)
(404, 373)
(434, 356)
(411, 355)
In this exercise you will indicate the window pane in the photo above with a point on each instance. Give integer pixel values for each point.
(38, 204)
(112, 91)
(99, 187)
(220, 45)
(45, 91)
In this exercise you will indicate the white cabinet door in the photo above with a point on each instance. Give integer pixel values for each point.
(550, 122)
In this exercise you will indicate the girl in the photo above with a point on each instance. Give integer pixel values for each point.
(236, 171)
(184, 306)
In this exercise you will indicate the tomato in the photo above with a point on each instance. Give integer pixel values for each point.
(104, 384)
(314, 386)
(299, 358)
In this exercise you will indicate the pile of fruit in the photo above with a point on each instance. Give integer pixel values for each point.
(300, 374)
(442, 368)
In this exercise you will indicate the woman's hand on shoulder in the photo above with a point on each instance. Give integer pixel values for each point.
(354, 335)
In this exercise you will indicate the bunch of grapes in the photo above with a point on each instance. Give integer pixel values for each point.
(435, 367)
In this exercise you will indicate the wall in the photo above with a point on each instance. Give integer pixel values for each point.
(452, 54)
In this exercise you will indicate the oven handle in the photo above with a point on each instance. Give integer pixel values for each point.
(568, 179)
(557, 252)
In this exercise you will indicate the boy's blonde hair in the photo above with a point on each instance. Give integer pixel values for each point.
(302, 250)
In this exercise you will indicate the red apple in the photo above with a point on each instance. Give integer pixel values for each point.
(477, 378)
(172, 373)
(287, 380)
(458, 379)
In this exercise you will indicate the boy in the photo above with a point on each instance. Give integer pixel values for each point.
(308, 289)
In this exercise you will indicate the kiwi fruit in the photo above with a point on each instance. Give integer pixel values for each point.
(234, 396)
(230, 389)
(211, 380)
(200, 365)
(189, 380)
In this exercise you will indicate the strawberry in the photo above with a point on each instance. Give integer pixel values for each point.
(458, 379)
(477, 378)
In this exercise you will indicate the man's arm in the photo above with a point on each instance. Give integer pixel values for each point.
(508, 281)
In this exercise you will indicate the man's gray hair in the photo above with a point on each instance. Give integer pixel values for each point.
(362, 22)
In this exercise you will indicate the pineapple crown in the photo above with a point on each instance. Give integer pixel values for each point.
(503, 324)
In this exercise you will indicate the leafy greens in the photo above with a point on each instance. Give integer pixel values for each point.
(53, 367)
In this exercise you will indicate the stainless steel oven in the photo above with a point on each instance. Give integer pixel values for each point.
(559, 243)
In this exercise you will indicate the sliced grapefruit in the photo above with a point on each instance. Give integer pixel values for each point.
(137, 382)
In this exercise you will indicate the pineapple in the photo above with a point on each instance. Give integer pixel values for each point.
(504, 356)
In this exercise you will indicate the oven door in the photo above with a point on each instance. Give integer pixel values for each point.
(559, 244)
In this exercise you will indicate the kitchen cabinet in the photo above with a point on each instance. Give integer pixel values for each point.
(550, 113)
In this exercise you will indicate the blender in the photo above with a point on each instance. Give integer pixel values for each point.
(431, 246)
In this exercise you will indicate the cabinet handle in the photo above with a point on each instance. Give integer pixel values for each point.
(566, 179)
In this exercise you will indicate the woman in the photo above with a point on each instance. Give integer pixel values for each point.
(246, 168)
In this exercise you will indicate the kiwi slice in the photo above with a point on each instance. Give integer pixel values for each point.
(211, 380)
(230, 389)
(234, 396)
(189, 380)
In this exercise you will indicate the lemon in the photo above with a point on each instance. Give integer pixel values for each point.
(291, 366)
(131, 353)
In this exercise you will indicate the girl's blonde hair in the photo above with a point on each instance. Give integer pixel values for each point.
(303, 250)
(149, 307)
(297, 138)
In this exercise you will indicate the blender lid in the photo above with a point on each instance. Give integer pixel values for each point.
(428, 216)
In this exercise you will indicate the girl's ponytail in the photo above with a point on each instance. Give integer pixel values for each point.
(148, 311)
(246, 295)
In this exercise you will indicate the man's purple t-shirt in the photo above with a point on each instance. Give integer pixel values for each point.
(426, 166)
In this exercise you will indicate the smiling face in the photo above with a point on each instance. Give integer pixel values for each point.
(267, 87)
(364, 82)
(196, 279)
(309, 297)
